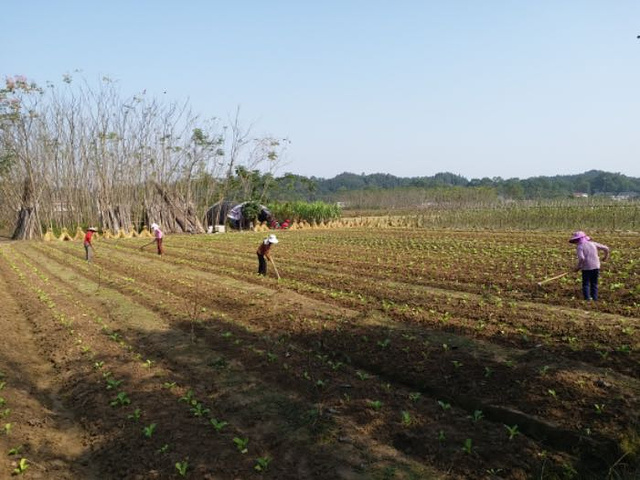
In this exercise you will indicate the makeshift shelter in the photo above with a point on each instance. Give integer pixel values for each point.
(231, 213)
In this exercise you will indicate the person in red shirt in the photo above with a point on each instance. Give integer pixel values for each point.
(88, 243)
(263, 251)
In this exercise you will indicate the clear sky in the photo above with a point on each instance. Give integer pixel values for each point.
(412, 88)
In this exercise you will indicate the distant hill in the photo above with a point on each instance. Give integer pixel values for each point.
(591, 183)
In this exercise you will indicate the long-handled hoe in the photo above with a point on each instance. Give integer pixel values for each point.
(550, 279)
(275, 268)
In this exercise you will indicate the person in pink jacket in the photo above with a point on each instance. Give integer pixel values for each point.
(588, 262)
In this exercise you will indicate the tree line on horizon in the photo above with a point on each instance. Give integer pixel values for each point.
(341, 187)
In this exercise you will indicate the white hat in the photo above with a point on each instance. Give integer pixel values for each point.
(272, 239)
(93, 229)
(154, 226)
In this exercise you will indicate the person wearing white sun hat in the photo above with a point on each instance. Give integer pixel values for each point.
(263, 251)
(157, 234)
(588, 262)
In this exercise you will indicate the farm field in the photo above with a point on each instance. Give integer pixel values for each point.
(379, 354)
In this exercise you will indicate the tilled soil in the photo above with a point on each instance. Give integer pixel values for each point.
(139, 366)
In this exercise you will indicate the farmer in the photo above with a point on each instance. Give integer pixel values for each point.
(88, 243)
(588, 262)
(263, 251)
(157, 234)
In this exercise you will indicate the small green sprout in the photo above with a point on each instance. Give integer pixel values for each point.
(218, 425)
(241, 444)
(262, 463)
(182, 468)
(148, 431)
(22, 467)
(513, 431)
(467, 447)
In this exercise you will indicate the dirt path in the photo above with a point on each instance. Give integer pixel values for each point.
(42, 430)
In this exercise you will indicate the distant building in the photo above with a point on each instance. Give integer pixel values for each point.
(625, 196)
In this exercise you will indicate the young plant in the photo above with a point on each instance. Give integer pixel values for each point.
(262, 463)
(112, 383)
(467, 447)
(15, 450)
(477, 415)
(135, 416)
(406, 418)
(599, 408)
(121, 400)
(444, 405)
(198, 410)
(7, 428)
(22, 467)
(513, 431)
(415, 396)
(163, 449)
(375, 404)
(148, 431)
(182, 467)
(241, 444)
(218, 425)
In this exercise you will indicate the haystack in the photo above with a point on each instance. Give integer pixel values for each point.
(64, 236)
(107, 233)
(134, 232)
(79, 234)
(145, 233)
(49, 236)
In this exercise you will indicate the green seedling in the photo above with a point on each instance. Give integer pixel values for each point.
(163, 449)
(22, 467)
(148, 430)
(444, 405)
(384, 343)
(227, 335)
(3, 402)
(182, 468)
(513, 431)
(198, 410)
(7, 428)
(488, 371)
(477, 415)
(415, 396)
(599, 408)
(241, 444)
(169, 385)
(112, 383)
(115, 337)
(362, 375)
(15, 450)
(262, 463)
(457, 364)
(406, 418)
(553, 393)
(320, 384)
(544, 370)
(98, 365)
(467, 447)
(147, 363)
(375, 404)
(2, 384)
(441, 436)
(218, 425)
(121, 400)
(188, 397)
(5, 413)
(135, 416)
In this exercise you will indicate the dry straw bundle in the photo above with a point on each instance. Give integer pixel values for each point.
(64, 236)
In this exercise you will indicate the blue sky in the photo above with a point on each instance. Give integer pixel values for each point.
(411, 88)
